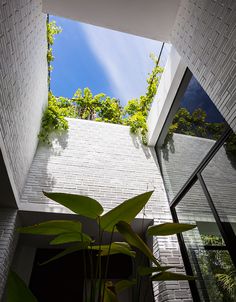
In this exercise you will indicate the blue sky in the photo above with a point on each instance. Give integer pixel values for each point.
(103, 60)
(195, 97)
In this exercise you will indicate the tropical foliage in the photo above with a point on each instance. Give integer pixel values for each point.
(110, 111)
(53, 118)
(218, 270)
(116, 220)
(52, 30)
(137, 109)
(55, 112)
(99, 107)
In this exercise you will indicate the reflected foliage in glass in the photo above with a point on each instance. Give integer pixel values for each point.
(195, 127)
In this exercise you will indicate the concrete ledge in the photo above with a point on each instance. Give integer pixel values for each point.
(169, 84)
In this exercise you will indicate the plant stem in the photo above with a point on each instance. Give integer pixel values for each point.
(99, 262)
(107, 263)
(93, 285)
(85, 271)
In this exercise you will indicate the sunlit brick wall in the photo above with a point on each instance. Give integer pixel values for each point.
(104, 161)
(204, 35)
(7, 243)
(23, 82)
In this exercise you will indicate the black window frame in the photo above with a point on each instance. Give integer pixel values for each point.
(225, 228)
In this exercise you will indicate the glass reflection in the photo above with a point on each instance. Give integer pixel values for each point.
(220, 179)
(206, 249)
(195, 128)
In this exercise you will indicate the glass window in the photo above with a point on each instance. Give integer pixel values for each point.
(208, 255)
(195, 127)
(220, 179)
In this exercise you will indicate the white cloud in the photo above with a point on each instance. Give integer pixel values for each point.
(125, 59)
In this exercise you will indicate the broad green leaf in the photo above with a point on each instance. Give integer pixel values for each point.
(81, 205)
(69, 250)
(110, 295)
(115, 248)
(52, 227)
(143, 271)
(17, 291)
(134, 240)
(169, 228)
(169, 276)
(124, 284)
(119, 247)
(126, 211)
(71, 237)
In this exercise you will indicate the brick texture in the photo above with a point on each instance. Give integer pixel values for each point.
(204, 35)
(106, 162)
(180, 158)
(23, 81)
(7, 243)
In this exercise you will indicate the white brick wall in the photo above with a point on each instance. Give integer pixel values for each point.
(204, 35)
(97, 159)
(23, 82)
(105, 162)
(7, 243)
(23, 94)
(180, 158)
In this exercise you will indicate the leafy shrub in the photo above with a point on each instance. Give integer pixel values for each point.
(53, 119)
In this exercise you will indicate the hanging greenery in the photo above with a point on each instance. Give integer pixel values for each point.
(53, 119)
(137, 109)
(54, 115)
(99, 107)
(52, 30)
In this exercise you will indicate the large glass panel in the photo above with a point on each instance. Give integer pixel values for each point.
(206, 249)
(194, 129)
(220, 179)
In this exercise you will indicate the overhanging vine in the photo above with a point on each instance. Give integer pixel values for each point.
(100, 107)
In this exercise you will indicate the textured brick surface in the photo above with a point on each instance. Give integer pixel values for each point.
(178, 161)
(180, 158)
(7, 243)
(23, 81)
(96, 159)
(204, 35)
(105, 162)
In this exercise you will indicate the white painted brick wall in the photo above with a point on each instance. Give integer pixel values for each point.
(180, 158)
(97, 159)
(204, 35)
(7, 243)
(23, 82)
(105, 162)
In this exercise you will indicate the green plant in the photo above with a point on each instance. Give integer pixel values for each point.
(110, 111)
(217, 268)
(53, 119)
(54, 115)
(101, 107)
(87, 103)
(17, 291)
(116, 220)
(52, 30)
(137, 110)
